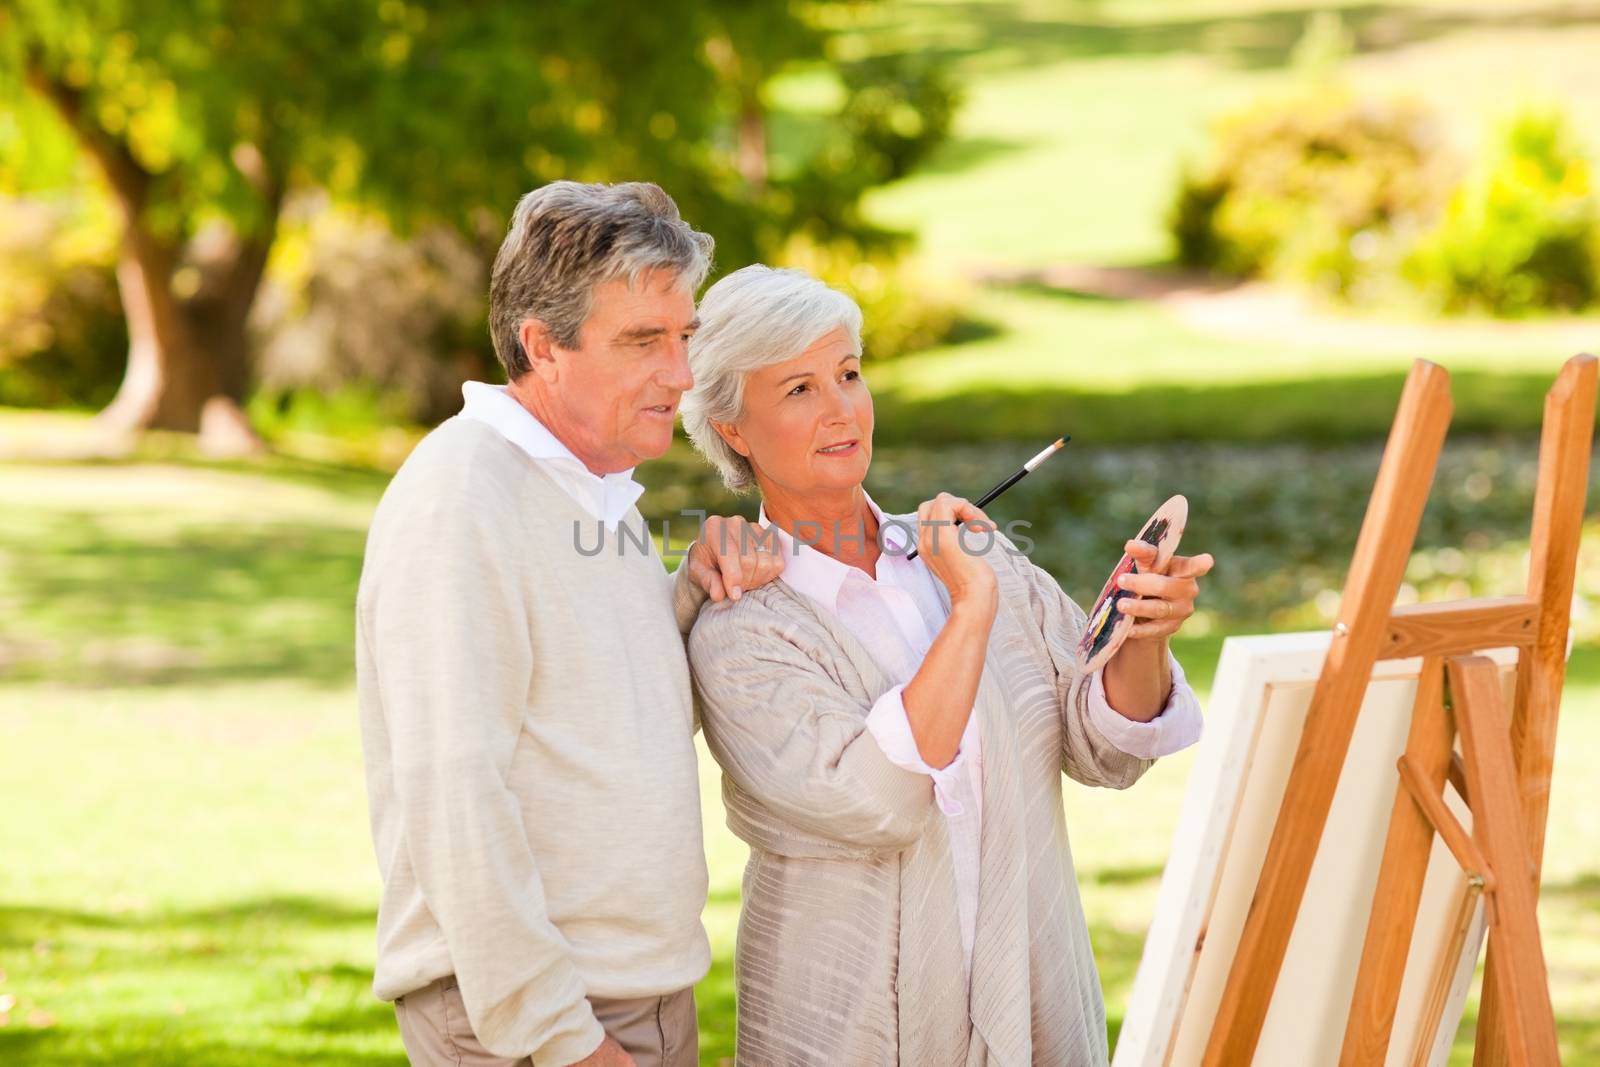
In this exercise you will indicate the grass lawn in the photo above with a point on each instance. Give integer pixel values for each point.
(188, 875)
(1078, 118)
(1123, 372)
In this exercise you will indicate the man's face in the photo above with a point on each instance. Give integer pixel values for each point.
(615, 396)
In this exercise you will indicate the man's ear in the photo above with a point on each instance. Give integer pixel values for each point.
(537, 344)
(730, 433)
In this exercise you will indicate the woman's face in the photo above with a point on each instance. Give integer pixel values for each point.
(807, 422)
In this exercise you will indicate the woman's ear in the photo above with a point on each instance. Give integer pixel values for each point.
(730, 433)
(536, 342)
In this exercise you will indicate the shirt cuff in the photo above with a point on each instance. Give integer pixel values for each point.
(889, 727)
(1173, 730)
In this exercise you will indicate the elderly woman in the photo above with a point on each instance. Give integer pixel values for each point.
(893, 732)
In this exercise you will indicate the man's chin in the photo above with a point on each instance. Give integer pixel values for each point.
(648, 446)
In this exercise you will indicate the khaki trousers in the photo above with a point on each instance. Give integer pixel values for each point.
(656, 1031)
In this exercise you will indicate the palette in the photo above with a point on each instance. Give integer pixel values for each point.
(1107, 627)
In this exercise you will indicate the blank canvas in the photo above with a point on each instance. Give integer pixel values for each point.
(1258, 708)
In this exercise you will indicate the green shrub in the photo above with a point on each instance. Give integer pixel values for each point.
(63, 341)
(897, 110)
(1317, 186)
(351, 310)
(1523, 234)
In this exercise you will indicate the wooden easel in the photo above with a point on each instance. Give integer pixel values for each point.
(1503, 772)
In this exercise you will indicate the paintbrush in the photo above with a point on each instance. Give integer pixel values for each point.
(1016, 476)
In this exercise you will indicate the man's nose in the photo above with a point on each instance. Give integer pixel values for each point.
(677, 374)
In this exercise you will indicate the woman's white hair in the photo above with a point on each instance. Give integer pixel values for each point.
(753, 318)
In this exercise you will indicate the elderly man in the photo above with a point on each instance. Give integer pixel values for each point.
(525, 701)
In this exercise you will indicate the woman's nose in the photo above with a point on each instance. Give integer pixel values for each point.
(836, 407)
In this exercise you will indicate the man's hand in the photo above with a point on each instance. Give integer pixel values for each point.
(733, 555)
(609, 1054)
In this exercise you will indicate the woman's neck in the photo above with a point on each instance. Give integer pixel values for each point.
(838, 524)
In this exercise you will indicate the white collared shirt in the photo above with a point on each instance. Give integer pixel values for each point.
(606, 497)
(896, 616)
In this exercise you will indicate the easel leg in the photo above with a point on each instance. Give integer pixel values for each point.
(1387, 534)
(1520, 980)
(1400, 879)
(1553, 547)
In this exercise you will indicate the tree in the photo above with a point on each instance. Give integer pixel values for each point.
(194, 130)
(897, 108)
(202, 118)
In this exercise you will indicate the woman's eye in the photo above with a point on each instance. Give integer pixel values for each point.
(797, 390)
(852, 375)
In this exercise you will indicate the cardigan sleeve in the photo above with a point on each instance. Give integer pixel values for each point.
(793, 738)
(1087, 754)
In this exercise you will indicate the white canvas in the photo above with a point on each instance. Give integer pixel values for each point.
(1259, 703)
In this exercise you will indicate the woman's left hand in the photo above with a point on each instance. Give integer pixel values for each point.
(1161, 599)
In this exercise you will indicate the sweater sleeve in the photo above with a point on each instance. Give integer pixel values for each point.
(687, 600)
(794, 739)
(687, 596)
(448, 629)
(1087, 754)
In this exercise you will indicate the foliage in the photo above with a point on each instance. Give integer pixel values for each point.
(349, 305)
(446, 112)
(204, 118)
(1318, 186)
(905, 308)
(898, 109)
(1523, 235)
(369, 98)
(62, 338)
(893, 111)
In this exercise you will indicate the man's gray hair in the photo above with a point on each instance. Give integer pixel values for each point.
(566, 238)
(753, 318)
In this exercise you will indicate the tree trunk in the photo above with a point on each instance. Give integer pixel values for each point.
(186, 358)
(752, 144)
(188, 364)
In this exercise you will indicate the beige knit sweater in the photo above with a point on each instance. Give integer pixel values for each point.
(528, 732)
(849, 948)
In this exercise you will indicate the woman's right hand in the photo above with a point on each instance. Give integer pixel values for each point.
(961, 567)
(939, 698)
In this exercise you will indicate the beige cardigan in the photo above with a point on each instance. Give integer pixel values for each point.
(849, 949)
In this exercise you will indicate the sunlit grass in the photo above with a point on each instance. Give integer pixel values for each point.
(1079, 115)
